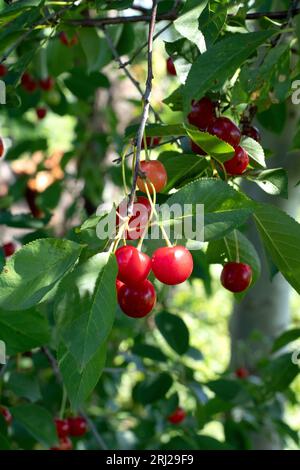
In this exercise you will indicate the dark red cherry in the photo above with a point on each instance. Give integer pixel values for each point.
(236, 277)
(41, 113)
(151, 142)
(242, 373)
(196, 149)
(65, 443)
(137, 301)
(28, 82)
(139, 219)
(46, 84)
(171, 67)
(78, 426)
(238, 164)
(177, 416)
(62, 427)
(1, 148)
(63, 38)
(3, 70)
(203, 113)
(6, 415)
(9, 249)
(134, 266)
(172, 265)
(226, 130)
(253, 132)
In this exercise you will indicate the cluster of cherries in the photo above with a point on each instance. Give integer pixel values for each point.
(74, 427)
(30, 85)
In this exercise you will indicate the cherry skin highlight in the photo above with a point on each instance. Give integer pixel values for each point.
(134, 266)
(238, 164)
(155, 173)
(236, 277)
(226, 130)
(9, 249)
(78, 426)
(242, 373)
(172, 265)
(202, 114)
(253, 132)
(139, 219)
(170, 67)
(6, 415)
(62, 427)
(177, 416)
(137, 301)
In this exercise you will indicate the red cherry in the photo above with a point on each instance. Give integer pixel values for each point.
(3, 70)
(151, 142)
(6, 415)
(226, 130)
(238, 164)
(26, 77)
(155, 173)
(139, 219)
(41, 113)
(203, 113)
(170, 67)
(177, 416)
(172, 265)
(74, 40)
(28, 82)
(242, 373)
(236, 277)
(252, 132)
(46, 83)
(196, 149)
(62, 427)
(64, 444)
(1, 148)
(137, 301)
(78, 426)
(64, 38)
(134, 266)
(9, 249)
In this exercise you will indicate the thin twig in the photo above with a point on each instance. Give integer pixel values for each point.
(146, 106)
(54, 366)
(172, 16)
(126, 71)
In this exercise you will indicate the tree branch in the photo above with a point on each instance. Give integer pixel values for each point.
(126, 71)
(146, 106)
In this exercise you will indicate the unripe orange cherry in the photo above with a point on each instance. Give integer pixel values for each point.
(155, 173)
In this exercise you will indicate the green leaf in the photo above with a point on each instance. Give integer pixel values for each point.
(4, 443)
(148, 351)
(274, 118)
(279, 373)
(158, 130)
(220, 62)
(34, 270)
(91, 82)
(175, 100)
(285, 338)
(280, 234)
(188, 24)
(23, 330)
(25, 386)
(220, 252)
(22, 220)
(91, 44)
(174, 331)
(274, 181)
(225, 389)
(80, 384)
(254, 150)
(86, 333)
(210, 443)
(37, 421)
(212, 145)
(153, 388)
(212, 21)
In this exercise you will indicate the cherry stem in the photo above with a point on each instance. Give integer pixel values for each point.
(152, 203)
(228, 249)
(146, 147)
(164, 233)
(123, 171)
(236, 246)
